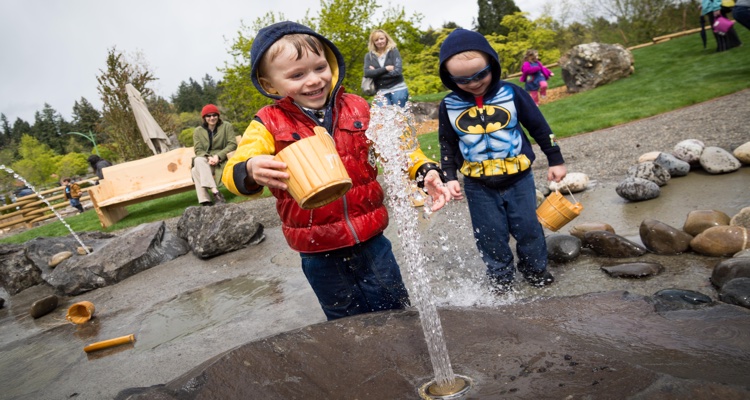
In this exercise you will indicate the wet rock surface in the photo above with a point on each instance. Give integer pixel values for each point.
(317, 360)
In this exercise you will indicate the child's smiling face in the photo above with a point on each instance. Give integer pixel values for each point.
(306, 80)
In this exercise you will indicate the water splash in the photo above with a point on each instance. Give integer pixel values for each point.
(391, 130)
(30, 186)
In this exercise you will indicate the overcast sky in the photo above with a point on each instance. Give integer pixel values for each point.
(52, 50)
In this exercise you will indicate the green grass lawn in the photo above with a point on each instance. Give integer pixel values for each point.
(668, 76)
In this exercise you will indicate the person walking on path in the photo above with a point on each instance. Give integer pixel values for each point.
(534, 75)
(384, 65)
(213, 140)
(73, 194)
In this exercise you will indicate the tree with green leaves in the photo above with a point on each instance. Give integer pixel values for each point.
(5, 131)
(347, 23)
(38, 163)
(48, 127)
(86, 118)
(491, 14)
(524, 34)
(118, 118)
(72, 164)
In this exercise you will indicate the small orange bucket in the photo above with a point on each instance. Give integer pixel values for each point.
(80, 312)
(556, 211)
(316, 173)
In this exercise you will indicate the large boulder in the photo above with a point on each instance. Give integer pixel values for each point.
(590, 65)
(212, 231)
(17, 272)
(141, 248)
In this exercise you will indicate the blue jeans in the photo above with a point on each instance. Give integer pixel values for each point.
(498, 213)
(356, 280)
(398, 97)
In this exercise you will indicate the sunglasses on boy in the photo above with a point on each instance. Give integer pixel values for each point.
(212, 115)
(463, 80)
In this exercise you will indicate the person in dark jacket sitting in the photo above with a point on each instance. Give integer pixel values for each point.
(383, 64)
(98, 164)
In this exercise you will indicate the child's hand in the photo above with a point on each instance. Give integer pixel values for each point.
(455, 189)
(557, 173)
(436, 190)
(266, 171)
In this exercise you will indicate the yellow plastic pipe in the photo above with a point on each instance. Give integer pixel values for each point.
(109, 343)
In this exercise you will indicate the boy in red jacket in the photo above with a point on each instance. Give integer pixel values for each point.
(345, 256)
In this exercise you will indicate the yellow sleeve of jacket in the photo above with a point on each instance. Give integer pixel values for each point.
(256, 140)
(416, 155)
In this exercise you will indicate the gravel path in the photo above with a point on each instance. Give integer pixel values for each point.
(606, 155)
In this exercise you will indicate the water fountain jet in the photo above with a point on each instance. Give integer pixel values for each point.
(391, 130)
(30, 186)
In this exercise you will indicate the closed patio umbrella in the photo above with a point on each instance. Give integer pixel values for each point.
(152, 133)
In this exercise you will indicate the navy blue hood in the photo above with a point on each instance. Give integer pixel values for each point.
(271, 34)
(459, 41)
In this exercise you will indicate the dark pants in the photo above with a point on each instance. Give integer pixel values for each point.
(742, 15)
(496, 214)
(356, 280)
(77, 204)
(727, 41)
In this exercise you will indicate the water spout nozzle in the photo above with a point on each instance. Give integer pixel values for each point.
(453, 390)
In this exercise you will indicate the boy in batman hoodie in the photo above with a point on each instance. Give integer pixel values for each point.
(481, 137)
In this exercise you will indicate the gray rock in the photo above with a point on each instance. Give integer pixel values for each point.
(672, 164)
(661, 238)
(590, 65)
(742, 153)
(139, 249)
(698, 221)
(689, 150)
(716, 160)
(737, 292)
(730, 269)
(608, 244)
(680, 299)
(43, 307)
(580, 229)
(650, 171)
(637, 189)
(634, 270)
(424, 111)
(742, 218)
(563, 248)
(17, 272)
(212, 231)
(742, 254)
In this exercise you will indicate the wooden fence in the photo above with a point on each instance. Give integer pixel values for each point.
(30, 209)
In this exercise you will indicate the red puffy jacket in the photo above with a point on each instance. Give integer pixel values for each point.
(356, 217)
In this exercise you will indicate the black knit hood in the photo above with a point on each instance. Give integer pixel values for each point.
(459, 41)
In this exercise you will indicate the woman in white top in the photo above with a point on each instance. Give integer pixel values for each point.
(383, 64)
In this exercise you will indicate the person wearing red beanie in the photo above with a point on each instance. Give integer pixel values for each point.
(209, 109)
(213, 140)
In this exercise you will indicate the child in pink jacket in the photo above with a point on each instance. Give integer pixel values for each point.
(535, 75)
